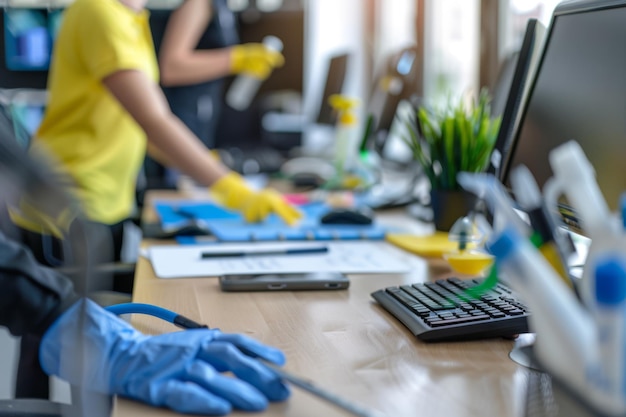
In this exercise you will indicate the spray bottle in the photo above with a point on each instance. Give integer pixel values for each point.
(566, 335)
(244, 87)
(345, 134)
(545, 233)
(610, 319)
(574, 177)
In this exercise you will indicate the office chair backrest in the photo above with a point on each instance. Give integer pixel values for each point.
(87, 245)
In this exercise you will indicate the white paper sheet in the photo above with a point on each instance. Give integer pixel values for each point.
(181, 261)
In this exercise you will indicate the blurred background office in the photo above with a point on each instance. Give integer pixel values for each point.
(377, 51)
(458, 46)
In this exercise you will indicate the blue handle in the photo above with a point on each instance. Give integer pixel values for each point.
(156, 311)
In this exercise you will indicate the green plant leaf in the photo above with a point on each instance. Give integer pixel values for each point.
(453, 139)
(463, 129)
(450, 167)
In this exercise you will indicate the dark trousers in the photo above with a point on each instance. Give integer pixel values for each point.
(88, 244)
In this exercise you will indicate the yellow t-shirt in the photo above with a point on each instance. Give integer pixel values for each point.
(85, 128)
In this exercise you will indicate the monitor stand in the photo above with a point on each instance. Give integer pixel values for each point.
(523, 353)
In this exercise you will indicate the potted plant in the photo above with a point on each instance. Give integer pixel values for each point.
(456, 138)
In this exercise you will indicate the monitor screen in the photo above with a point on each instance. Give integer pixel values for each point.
(335, 77)
(397, 81)
(579, 93)
(27, 36)
(511, 91)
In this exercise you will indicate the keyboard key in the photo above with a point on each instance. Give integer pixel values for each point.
(460, 320)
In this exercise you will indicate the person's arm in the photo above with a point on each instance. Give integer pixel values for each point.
(180, 63)
(171, 139)
(31, 296)
(176, 145)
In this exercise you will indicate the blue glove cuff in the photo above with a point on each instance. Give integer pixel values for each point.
(76, 345)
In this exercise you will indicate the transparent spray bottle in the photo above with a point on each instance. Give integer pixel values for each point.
(345, 133)
(244, 87)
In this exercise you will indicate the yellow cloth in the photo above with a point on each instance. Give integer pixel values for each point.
(434, 245)
(232, 192)
(85, 129)
(255, 60)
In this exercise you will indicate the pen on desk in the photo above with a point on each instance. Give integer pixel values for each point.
(272, 252)
(180, 211)
(530, 200)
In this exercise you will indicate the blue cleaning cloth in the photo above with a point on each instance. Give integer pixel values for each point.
(229, 226)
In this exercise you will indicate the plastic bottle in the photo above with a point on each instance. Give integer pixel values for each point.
(566, 338)
(244, 87)
(529, 197)
(610, 318)
(345, 134)
(574, 177)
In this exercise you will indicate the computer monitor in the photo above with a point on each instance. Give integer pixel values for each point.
(579, 93)
(26, 39)
(510, 92)
(392, 90)
(335, 78)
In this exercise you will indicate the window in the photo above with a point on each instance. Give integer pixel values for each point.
(451, 49)
(514, 18)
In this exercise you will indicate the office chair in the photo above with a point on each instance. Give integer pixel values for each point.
(90, 278)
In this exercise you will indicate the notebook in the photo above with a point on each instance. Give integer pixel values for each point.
(348, 257)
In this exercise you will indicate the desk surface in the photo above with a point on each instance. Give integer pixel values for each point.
(345, 342)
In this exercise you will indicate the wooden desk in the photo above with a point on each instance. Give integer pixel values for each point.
(345, 342)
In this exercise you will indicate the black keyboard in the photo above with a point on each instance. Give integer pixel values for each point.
(442, 311)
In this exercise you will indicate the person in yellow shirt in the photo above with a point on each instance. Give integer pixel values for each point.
(106, 109)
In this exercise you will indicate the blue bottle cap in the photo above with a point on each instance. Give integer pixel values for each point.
(505, 243)
(610, 281)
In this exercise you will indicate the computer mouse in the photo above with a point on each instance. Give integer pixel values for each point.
(350, 216)
(308, 171)
(307, 179)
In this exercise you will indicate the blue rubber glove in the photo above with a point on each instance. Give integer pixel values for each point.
(180, 370)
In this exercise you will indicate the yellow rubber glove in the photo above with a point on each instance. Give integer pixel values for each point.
(232, 192)
(255, 60)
